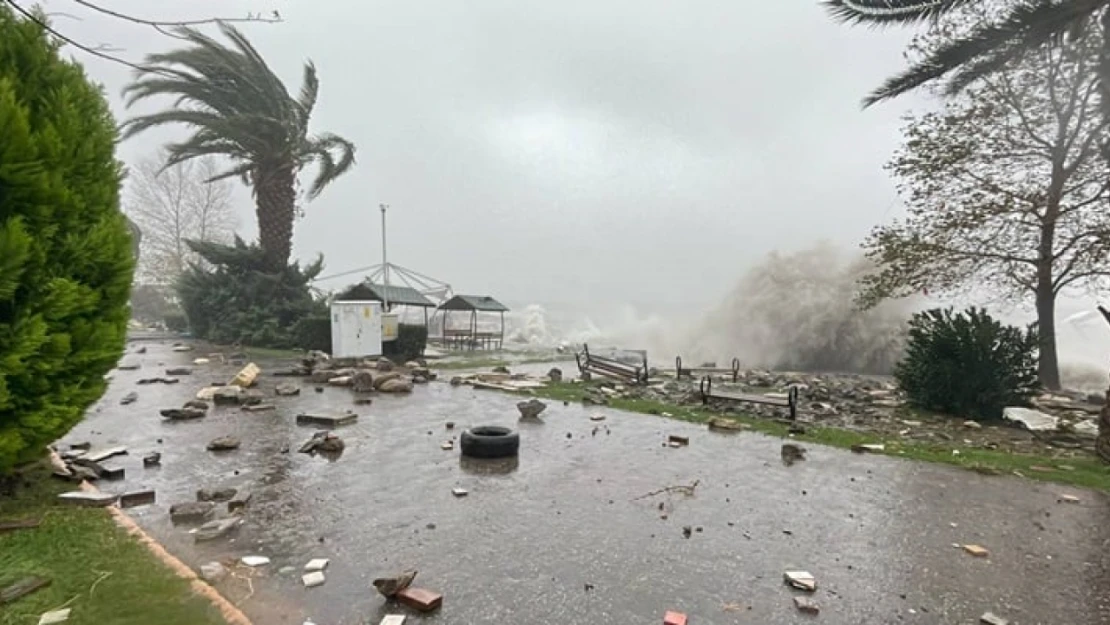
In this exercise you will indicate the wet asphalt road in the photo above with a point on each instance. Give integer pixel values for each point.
(878, 533)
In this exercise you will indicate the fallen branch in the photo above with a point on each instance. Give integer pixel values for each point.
(685, 489)
(24, 524)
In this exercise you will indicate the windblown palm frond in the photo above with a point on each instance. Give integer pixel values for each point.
(879, 12)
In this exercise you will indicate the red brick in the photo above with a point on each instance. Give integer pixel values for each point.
(420, 599)
(674, 618)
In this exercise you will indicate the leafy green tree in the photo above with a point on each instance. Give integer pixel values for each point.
(1005, 190)
(239, 109)
(65, 247)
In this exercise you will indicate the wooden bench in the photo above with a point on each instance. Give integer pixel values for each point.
(611, 368)
(790, 402)
(679, 372)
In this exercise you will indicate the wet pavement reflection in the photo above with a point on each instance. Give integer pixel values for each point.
(536, 531)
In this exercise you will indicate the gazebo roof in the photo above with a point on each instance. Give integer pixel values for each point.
(400, 295)
(481, 303)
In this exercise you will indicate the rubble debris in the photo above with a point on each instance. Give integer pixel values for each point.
(223, 443)
(251, 397)
(530, 410)
(555, 375)
(420, 599)
(23, 524)
(103, 454)
(181, 347)
(196, 404)
(363, 401)
(1032, 420)
(317, 564)
(363, 381)
(22, 588)
(259, 407)
(973, 425)
(990, 618)
(459, 492)
(806, 605)
(869, 448)
(313, 579)
(113, 474)
(327, 420)
(136, 498)
(88, 499)
(597, 417)
(153, 459)
(802, 580)
(1068, 499)
(130, 365)
(145, 381)
(390, 586)
(977, 551)
(678, 441)
(687, 531)
(182, 414)
(384, 365)
(674, 618)
(54, 617)
(253, 561)
(721, 423)
(396, 385)
(129, 398)
(792, 453)
(502, 369)
(179, 371)
(447, 445)
(201, 361)
(191, 511)
(82, 446)
(393, 619)
(239, 501)
(224, 395)
(246, 376)
(217, 528)
(450, 425)
(286, 389)
(685, 489)
(212, 572)
(322, 442)
(340, 380)
(216, 494)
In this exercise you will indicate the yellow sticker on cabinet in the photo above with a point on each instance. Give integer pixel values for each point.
(366, 311)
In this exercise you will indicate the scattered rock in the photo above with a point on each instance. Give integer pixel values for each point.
(363, 381)
(182, 414)
(82, 446)
(723, 424)
(420, 599)
(224, 395)
(88, 499)
(80, 473)
(802, 580)
(286, 389)
(456, 381)
(327, 420)
(1068, 499)
(674, 618)
(977, 551)
(597, 417)
(990, 618)
(687, 531)
(179, 371)
(259, 408)
(868, 448)
(390, 586)
(100, 455)
(251, 397)
(152, 459)
(216, 494)
(313, 579)
(136, 498)
(316, 564)
(212, 572)
(216, 529)
(54, 617)
(323, 442)
(447, 445)
(254, 561)
(419, 379)
(196, 404)
(131, 365)
(675, 440)
(459, 492)
(501, 369)
(239, 501)
(112, 473)
(973, 425)
(246, 376)
(531, 409)
(223, 443)
(384, 364)
(129, 398)
(396, 386)
(1033, 420)
(159, 381)
(792, 453)
(804, 604)
(450, 425)
(555, 375)
(191, 511)
(181, 347)
(342, 380)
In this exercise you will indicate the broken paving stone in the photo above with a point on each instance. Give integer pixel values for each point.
(420, 599)
(54, 616)
(246, 376)
(990, 618)
(393, 619)
(447, 445)
(145, 381)
(136, 498)
(804, 604)
(287, 390)
(131, 365)
(179, 371)
(597, 417)
(396, 386)
(316, 564)
(973, 425)
(977, 551)
(251, 397)
(450, 425)
(678, 441)
(1068, 499)
(728, 425)
(531, 409)
(341, 380)
(223, 443)
(313, 579)
(222, 395)
(259, 407)
(191, 511)
(327, 420)
(868, 448)
(88, 499)
(802, 580)
(674, 618)
(196, 404)
(459, 492)
(239, 501)
(129, 398)
(216, 494)
(182, 414)
(253, 561)
(103, 454)
(389, 586)
(324, 442)
(216, 529)
(212, 572)
(363, 401)
(152, 459)
(113, 474)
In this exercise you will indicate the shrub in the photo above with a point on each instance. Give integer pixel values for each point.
(238, 300)
(176, 321)
(65, 248)
(409, 344)
(967, 364)
(313, 332)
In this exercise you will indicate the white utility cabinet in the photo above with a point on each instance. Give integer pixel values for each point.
(356, 329)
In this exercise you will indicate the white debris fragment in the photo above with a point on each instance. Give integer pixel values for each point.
(459, 492)
(1033, 420)
(54, 616)
(393, 619)
(313, 579)
(254, 560)
(802, 580)
(317, 564)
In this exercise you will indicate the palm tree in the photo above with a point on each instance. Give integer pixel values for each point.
(1024, 25)
(238, 108)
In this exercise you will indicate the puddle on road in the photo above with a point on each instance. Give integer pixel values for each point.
(535, 531)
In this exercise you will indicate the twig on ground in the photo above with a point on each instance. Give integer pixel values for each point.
(685, 489)
(103, 575)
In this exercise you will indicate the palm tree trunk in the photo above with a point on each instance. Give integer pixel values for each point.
(275, 198)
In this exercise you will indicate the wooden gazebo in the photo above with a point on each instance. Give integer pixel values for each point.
(472, 337)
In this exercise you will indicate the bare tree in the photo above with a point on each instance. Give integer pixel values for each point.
(173, 205)
(1005, 189)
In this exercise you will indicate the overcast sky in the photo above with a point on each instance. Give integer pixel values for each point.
(563, 152)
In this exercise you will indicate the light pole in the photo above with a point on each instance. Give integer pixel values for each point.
(385, 263)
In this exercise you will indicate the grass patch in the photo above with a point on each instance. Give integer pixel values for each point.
(1085, 472)
(77, 548)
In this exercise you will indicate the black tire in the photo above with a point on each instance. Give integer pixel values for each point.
(489, 441)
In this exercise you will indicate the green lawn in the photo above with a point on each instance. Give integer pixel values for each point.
(95, 568)
(1086, 472)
